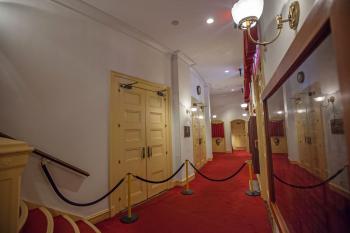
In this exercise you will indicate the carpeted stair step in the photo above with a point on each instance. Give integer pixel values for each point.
(87, 227)
(39, 220)
(64, 224)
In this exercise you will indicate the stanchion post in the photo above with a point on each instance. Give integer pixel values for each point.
(187, 190)
(130, 217)
(251, 191)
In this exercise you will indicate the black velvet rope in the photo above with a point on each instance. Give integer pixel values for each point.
(310, 186)
(160, 181)
(57, 191)
(218, 180)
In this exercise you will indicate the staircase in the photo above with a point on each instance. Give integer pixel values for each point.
(40, 220)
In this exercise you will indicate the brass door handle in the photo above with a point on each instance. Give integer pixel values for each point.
(149, 151)
(143, 152)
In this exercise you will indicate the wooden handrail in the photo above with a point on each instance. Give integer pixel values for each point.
(52, 158)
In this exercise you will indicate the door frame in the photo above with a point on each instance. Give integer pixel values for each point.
(113, 138)
(245, 131)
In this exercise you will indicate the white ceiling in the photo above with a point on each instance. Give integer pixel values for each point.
(213, 48)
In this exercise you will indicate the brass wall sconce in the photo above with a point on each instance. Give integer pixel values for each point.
(246, 14)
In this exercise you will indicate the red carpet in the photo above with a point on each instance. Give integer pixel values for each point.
(319, 210)
(213, 208)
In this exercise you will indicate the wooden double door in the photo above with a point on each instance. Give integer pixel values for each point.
(199, 140)
(239, 136)
(310, 134)
(138, 126)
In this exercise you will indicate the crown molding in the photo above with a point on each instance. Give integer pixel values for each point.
(83, 8)
(102, 17)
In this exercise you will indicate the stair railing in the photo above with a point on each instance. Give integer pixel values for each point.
(52, 158)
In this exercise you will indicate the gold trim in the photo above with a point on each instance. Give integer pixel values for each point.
(72, 223)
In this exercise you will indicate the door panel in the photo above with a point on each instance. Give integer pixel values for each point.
(132, 135)
(238, 135)
(156, 142)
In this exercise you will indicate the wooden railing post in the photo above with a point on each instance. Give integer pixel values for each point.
(13, 158)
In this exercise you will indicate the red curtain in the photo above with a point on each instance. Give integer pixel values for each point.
(251, 60)
(276, 128)
(217, 130)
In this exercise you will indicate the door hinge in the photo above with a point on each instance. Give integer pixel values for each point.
(119, 125)
(166, 152)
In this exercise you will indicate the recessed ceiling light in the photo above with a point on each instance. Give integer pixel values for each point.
(232, 89)
(227, 71)
(210, 20)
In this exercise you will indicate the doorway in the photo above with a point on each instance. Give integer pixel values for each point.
(139, 138)
(199, 138)
(238, 135)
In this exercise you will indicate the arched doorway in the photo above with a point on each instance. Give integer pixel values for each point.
(239, 135)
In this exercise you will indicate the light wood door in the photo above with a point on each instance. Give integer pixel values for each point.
(199, 141)
(156, 142)
(310, 134)
(133, 140)
(239, 137)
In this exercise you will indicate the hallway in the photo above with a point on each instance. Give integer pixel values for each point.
(214, 207)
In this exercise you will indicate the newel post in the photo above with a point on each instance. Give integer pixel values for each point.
(13, 158)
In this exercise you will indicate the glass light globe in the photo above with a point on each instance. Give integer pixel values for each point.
(247, 8)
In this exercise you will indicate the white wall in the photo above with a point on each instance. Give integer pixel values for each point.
(227, 108)
(185, 80)
(275, 51)
(319, 68)
(54, 92)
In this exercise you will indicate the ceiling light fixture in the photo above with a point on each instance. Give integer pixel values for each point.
(227, 71)
(244, 105)
(246, 14)
(210, 20)
(244, 114)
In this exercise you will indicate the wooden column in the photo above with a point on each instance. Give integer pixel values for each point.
(13, 158)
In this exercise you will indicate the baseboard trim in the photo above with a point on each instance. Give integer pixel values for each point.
(340, 190)
(99, 216)
(278, 218)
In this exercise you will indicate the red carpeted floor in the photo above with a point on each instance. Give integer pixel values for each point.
(213, 208)
(318, 210)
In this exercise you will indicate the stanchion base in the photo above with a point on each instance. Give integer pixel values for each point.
(252, 193)
(128, 220)
(187, 192)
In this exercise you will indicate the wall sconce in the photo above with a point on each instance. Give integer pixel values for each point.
(322, 99)
(246, 14)
(244, 105)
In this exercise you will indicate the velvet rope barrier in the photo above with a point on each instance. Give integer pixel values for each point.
(313, 185)
(218, 180)
(60, 195)
(160, 181)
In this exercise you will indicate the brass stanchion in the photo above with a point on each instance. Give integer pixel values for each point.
(130, 218)
(187, 190)
(251, 191)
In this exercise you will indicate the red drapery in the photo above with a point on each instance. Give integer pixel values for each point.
(217, 130)
(251, 60)
(276, 128)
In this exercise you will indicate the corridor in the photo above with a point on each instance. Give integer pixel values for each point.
(214, 207)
